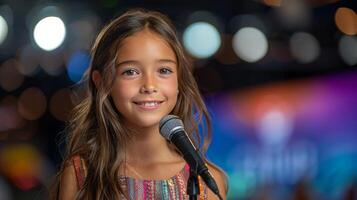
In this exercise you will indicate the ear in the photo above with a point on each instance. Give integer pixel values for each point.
(96, 78)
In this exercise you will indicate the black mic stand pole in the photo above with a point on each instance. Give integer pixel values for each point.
(193, 188)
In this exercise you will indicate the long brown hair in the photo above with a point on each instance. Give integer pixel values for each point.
(95, 130)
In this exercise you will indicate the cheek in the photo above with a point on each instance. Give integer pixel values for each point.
(170, 88)
(121, 93)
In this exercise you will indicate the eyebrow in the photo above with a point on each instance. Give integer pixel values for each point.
(166, 60)
(137, 62)
(128, 62)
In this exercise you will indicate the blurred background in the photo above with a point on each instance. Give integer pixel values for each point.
(279, 78)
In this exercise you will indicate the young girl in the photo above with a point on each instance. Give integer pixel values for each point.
(139, 73)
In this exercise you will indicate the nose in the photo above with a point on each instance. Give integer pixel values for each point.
(149, 84)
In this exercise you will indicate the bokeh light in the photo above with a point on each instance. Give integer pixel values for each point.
(3, 29)
(32, 103)
(304, 47)
(6, 25)
(21, 164)
(28, 58)
(9, 116)
(250, 44)
(10, 78)
(14, 126)
(61, 104)
(294, 14)
(49, 33)
(274, 128)
(77, 65)
(201, 39)
(265, 136)
(348, 48)
(346, 20)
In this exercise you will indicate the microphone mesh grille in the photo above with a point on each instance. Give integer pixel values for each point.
(168, 123)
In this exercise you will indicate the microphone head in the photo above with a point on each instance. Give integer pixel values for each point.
(169, 125)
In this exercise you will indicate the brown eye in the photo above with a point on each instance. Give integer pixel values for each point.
(165, 71)
(130, 72)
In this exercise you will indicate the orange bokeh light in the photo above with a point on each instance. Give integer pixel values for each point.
(254, 103)
(21, 163)
(346, 21)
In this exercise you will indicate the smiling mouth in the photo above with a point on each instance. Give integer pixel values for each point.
(148, 104)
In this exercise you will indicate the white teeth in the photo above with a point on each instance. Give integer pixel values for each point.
(149, 104)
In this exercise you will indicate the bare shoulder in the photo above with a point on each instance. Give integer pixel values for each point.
(221, 180)
(68, 185)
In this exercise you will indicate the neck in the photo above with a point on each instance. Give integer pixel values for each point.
(148, 146)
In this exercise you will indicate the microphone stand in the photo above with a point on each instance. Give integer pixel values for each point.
(193, 188)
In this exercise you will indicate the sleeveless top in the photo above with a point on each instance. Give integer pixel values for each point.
(173, 188)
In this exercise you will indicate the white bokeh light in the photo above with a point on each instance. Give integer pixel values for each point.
(274, 128)
(49, 33)
(3, 29)
(348, 48)
(250, 44)
(201, 39)
(304, 47)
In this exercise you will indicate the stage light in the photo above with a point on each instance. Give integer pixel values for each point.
(304, 47)
(348, 48)
(346, 21)
(77, 65)
(250, 44)
(3, 29)
(49, 33)
(274, 128)
(21, 164)
(201, 39)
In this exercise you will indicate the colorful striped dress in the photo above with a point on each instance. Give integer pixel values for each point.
(173, 188)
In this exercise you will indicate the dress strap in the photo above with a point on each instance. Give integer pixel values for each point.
(79, 171)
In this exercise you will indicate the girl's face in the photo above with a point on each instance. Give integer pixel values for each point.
(146, 87)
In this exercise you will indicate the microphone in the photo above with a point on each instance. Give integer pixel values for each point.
(171, 128)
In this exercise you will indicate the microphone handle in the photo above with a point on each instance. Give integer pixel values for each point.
(194, 159)
(188, 150)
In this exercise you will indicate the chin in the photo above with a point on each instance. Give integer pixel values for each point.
(146, 121)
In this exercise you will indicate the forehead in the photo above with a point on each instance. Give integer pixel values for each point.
(145, 45)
